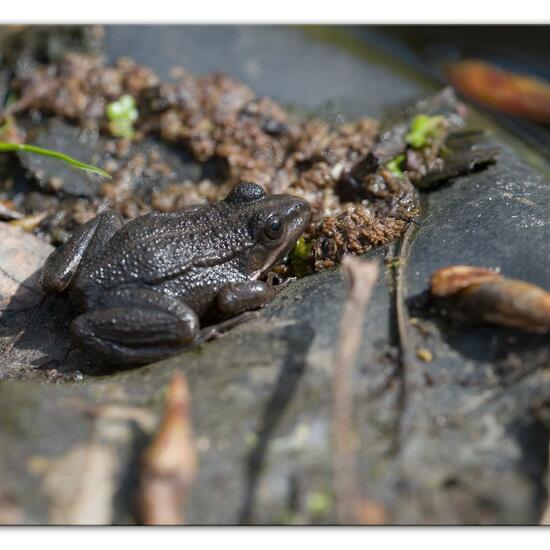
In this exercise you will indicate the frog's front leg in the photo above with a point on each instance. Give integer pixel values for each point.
(135, 326)
(87, 240)
(235, 298)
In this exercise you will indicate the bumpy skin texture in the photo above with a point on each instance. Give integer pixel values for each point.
(144, 289)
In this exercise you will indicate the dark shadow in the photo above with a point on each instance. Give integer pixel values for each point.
(298, 340)
(125, 510)
(36, 341)
(532, 436)
(493, 344)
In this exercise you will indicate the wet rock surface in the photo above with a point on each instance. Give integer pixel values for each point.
(452, 436)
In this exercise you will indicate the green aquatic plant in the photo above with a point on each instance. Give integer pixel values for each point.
(122, 114)
(6, 147)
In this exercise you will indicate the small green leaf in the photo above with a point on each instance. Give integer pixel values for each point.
(114, 110)
(121, 128)
(299, 257)
(6, 147)
(395, 165)
(301, 249)
(127, 102)
(122, 114)
(423, 128)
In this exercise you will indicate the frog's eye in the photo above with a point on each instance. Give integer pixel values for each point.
(273, 229)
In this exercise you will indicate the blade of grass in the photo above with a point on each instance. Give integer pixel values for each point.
(6, 147)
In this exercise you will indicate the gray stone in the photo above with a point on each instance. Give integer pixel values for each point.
(454, 440)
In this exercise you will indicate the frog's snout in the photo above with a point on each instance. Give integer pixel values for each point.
(298, 215)
(301, 213)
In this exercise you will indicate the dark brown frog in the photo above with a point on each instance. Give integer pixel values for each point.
(154, 286)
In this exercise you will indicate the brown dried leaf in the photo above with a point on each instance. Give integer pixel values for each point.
(169, 464)
(484, 295)
(29, 223)
(449, 280)
(372, 513)
(512, 303)
(505, 91)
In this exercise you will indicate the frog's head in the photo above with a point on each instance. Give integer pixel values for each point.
(275, 222)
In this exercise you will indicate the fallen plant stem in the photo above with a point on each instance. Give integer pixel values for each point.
(29, 223)
(6, 147)
(360, 278)
(169, 464)
(8, 212)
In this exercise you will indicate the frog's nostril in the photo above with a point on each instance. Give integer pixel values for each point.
(301, 205)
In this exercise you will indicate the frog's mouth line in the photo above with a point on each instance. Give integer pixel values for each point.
(277, 254)
(280, 252)
(271, 260)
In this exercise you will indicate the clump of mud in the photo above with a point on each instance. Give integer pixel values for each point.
(195, 138)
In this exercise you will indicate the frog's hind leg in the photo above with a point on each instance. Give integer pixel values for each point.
(135, 326)
(87, 240)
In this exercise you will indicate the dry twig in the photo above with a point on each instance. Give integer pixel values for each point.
(29, 223)
(360, 278)
(169, 464)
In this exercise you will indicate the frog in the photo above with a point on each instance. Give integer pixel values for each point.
(165, 282)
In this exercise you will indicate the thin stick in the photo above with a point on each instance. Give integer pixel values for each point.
(360, 278)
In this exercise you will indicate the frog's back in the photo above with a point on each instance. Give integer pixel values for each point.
(158, 248)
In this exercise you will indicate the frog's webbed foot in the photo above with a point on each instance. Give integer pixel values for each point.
(88, 239)
(136, 326)
(272, 277)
